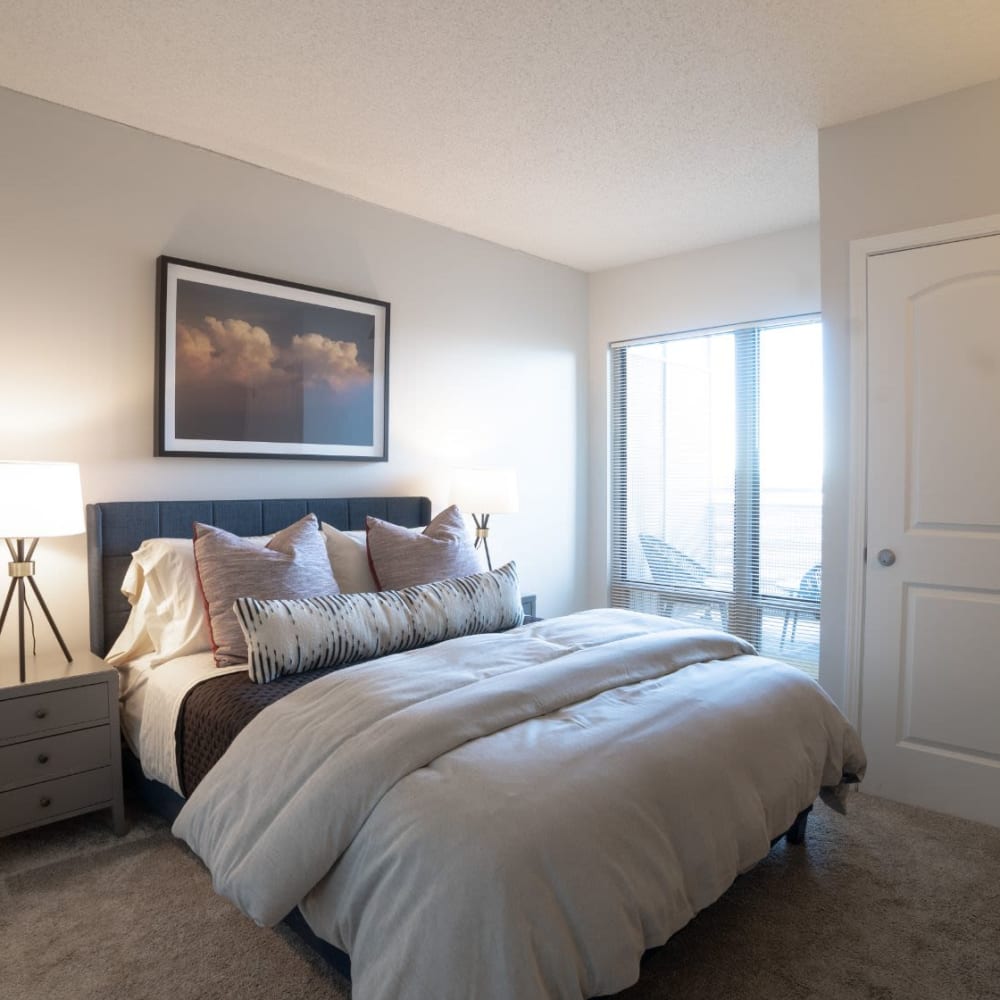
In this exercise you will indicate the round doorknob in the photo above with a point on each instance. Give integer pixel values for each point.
(40, 713)
(43, 758)
(886, 557)
(45, 802)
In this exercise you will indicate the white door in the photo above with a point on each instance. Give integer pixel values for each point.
(930, 693)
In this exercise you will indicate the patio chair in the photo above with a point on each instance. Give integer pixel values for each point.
(671, 569)
(809, 589)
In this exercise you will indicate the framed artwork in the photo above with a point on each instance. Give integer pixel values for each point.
(254, 367)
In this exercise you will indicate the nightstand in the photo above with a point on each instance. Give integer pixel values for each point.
(60, 750)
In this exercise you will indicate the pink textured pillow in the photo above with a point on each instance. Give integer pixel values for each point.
(401, 557)
(293, 564)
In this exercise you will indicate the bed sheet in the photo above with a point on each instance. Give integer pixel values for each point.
(151, 700)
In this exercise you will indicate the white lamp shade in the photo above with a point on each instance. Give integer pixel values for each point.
(485, 491)
(40, 499)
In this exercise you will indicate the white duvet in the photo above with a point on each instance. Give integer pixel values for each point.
(517, 816)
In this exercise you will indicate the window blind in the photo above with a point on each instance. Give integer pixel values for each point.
(716, 481)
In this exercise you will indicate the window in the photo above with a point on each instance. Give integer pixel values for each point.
(716, 492)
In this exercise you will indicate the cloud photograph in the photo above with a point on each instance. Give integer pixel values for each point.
(255, 367)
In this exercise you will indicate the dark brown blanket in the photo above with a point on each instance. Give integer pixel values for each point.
(216, 710)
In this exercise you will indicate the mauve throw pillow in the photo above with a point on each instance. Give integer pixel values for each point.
(401, 557)
(293, 564)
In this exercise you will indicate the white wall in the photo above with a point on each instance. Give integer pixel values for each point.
(487, 349)
(924, 164)
(761, 278)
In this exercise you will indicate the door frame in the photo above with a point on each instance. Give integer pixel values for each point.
(857, 497)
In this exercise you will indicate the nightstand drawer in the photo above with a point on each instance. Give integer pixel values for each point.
(40, 713)
(54, 756)
(47, 800)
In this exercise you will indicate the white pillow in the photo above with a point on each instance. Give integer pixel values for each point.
(134, 640)
(168, 610)
(348, 552)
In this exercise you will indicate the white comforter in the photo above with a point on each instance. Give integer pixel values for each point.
(518, 816)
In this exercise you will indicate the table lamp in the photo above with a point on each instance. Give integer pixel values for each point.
(493, 491)
(37, 500)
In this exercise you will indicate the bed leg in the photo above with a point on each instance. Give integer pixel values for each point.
(796, 833)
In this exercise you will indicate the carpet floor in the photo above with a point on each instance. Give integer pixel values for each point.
(886, 903)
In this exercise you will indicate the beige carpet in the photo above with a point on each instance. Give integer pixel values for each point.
(888, 902)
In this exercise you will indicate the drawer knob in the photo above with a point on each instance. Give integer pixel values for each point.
(45, 802)
(43, 758)
(40, 713)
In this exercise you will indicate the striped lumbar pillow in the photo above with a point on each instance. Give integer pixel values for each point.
(288, 637)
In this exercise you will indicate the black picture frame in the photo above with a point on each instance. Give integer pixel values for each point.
(254, 367)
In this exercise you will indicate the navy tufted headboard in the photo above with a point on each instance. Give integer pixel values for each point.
(115, 530)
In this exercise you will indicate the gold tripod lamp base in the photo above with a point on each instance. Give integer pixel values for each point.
(37, 500)
(482, 522)
(21, 569)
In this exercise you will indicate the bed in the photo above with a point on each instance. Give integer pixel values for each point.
(499, 816)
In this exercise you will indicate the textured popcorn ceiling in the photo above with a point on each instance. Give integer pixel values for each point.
(592, 133)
